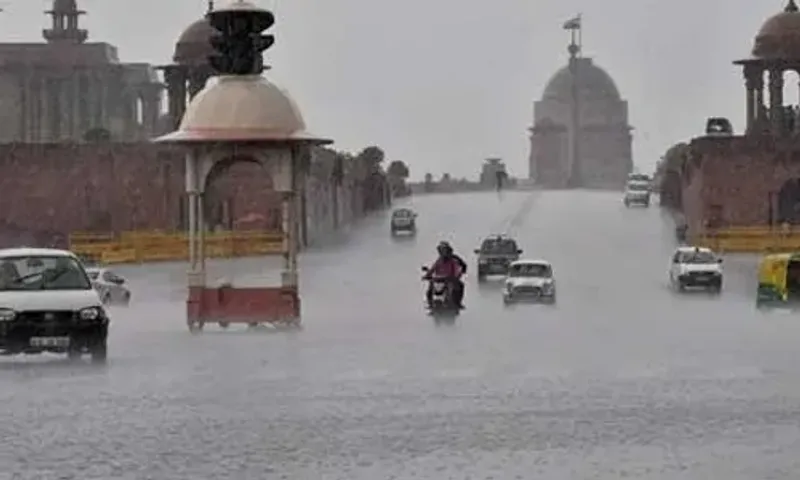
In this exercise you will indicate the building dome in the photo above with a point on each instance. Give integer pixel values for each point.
(779, 37)
(65, 6)
(593, 82)
(194, 45)
(241, 109)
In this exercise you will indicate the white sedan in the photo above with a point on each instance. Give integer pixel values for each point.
(110, 286)
(530, 280)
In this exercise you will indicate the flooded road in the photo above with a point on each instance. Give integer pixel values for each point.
(622, 378)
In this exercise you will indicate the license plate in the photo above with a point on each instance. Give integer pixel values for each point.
(49, 341)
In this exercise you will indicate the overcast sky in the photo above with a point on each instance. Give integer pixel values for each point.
(442, 84)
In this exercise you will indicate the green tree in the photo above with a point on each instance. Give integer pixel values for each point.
(371, 158)
(398, 169)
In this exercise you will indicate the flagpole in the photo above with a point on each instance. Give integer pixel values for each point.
(574, 176)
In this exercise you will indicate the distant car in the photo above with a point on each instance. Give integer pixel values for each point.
(696, 267)
(110, 287)
(637, 193)
(638, 177)
(530, 280)
(719, 127)
(495, 255)
(403, 220)
(48, 304)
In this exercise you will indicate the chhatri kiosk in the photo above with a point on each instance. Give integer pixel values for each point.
(241, 117)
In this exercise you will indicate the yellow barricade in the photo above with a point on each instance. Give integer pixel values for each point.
(157, 246)
(751, 240)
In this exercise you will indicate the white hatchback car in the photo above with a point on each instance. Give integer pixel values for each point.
(530, 280)
(110, 286)
(696, 267)
(48, 304)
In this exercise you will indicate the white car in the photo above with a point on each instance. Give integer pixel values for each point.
(637, 192)
(48, 304)
(110, 286)
(696, 267)
(529, 280)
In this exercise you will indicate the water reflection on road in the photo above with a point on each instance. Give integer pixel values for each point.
(623, 378)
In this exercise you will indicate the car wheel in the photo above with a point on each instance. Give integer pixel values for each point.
(195, 327)
(99, 352)
(224, 324)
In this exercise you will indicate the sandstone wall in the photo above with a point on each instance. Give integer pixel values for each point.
(49, 191)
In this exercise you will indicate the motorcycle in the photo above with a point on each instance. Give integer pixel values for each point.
(442, 298)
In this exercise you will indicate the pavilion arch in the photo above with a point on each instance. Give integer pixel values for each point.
(788, 202)
(239, 193)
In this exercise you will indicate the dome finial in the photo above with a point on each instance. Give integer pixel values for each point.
(791, 7)
(210, 6)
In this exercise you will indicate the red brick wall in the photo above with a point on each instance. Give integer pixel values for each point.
(60, 188)
(737, 175)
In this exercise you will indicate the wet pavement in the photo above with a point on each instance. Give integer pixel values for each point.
(621, 379)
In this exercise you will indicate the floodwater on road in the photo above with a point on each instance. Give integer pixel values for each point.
(622, 378)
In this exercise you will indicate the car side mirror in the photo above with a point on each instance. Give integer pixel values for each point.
(519, 251)
(425, 269)
(119, 281)
(719, 260)
(477, 251)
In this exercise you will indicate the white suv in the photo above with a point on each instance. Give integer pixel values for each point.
(637, 192)
(696, 267)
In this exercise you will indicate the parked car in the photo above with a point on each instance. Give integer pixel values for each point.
(110, 287)
(48, 304)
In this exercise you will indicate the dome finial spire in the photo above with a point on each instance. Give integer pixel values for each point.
(210, 6)
(791, 7)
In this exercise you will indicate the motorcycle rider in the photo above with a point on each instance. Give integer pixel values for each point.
(450, 266)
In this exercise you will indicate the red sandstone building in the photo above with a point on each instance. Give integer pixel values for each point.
(753, 178)
(74, 149)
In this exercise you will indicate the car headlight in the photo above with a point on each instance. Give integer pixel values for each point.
(91, 313)
(7, 315)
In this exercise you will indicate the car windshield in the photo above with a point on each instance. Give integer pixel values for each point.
(403, 213)
(531, 270)
(697, 257)
(40, 272)
(638, 186)
(639, 177)
(500, 246)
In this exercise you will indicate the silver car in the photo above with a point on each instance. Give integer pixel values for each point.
(110, 286)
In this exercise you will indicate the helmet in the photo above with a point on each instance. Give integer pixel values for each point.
(444, 248)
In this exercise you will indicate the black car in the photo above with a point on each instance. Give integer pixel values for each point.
(403, 220)
(496, 254)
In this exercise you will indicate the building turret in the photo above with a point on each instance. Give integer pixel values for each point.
(65, 27)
